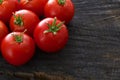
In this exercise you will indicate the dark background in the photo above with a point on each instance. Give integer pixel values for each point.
(93, 49)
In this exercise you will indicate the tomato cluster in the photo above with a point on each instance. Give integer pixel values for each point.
(26, 23)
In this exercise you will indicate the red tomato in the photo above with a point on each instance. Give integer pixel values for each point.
(17, 48)
(7, 7)
(51, 35)
(62, 9)
(36, 6)
(24, 19)
(3, 31)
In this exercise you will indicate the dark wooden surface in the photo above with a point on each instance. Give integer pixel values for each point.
(93, 49)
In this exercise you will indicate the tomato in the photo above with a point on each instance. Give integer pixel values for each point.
(51, 35)
(24, 19)
(7, 7)
(17, 48)
(3, 31)
(62, 9)
(36, 6)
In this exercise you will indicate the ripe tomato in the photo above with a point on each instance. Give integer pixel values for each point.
(62, 9)
(51, 35)
(3, 31)
(36, 6)
(17, 48)
(7, 7)
(24, 19)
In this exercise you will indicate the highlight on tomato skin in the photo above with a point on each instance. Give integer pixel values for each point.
(51, 35)
(17, 48)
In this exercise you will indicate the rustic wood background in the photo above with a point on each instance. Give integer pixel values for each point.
(93, 49)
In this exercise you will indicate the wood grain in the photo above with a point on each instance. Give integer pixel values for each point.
(93, 49)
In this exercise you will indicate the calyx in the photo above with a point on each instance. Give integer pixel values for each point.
(18, 20)
(54, 27)
(1, 1)
(18, 38)
(61, 2)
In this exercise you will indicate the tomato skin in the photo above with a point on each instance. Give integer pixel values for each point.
(62, 12)
(7, 8)
(49, 42)
(16, 53)
(29, 19)
(3, 31)
(36, 6)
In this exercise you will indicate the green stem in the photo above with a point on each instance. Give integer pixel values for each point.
(61, 2)
(54, 27)
(1, 1)
(18, 38)
(18, 20)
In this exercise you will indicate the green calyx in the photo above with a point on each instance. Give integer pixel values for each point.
(18, 20)
(18, 38)
(61, 2)
(1, 1)
(54, 28)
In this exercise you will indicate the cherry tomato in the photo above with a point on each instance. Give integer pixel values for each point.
(7, 7)
(17, 48)
(36, 6)
(24, 19)
(62, 9)
(3, 31)
(51, 35)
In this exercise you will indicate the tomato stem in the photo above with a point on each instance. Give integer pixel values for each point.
(1, 1)
(54, 28)
(61, 2)
(18, 20)
(18, 38)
